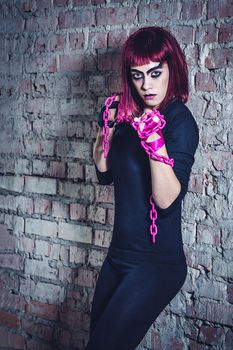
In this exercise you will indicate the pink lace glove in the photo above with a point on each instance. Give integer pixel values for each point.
(148, 125)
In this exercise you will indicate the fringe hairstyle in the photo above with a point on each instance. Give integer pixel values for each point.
(153, 44)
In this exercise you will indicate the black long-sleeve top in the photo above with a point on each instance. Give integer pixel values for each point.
(131, 176)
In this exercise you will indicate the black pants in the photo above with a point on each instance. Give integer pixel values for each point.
(130, 293)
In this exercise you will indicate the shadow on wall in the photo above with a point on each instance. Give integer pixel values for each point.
(51, 219)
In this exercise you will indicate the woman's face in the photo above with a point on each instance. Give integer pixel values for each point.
(151, 83)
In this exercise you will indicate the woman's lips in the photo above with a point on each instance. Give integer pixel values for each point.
(149, 97)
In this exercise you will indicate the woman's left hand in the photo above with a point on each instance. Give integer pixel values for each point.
(149, 124)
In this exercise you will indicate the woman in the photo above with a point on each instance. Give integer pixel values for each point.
(145, 146)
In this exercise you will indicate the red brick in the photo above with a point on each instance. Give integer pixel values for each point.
(116, 38)
(97, 2)
(197, 258)
(8, 300)
(42, 206)
(230, 293)
(26, 86)
(27, 245)
(76, 41)
(40, 268)
(11, 340)
(76, 19)
(37, 345)
(59, 252)
(77, 211)
(66, 274)
(71, 318)
(78, 340)
(75, 171)
(196, 346)
(212, 311)
(57, 169)
(104, 60)
(115, 15)
(36, 24)
(42, 248)
(7, 241)
(11, 261)
(225, 33)
(229, 339)
(204, 82)
(211, 335)
(28, 6)
(28, 326)
(158, 12)
(85, 278)
(206, 34)
(11, 26)
(216, 8)
(220, 159)
(102, 238)
(42, 310)
(9, 320)
(63, 336)
(77, 255)
(196, 183)
(60, 210)
(44, 4)
(45, 332)
(191, 10)
(41, 65)
(183, 34)
(75, 128)
(110, 216)
(207, 234)
(97, 40)
(41, 44)
(90, 129)
(81, 2)
(71, 63)
(104, 194)
(60, 2)
(212, 110)
(96, 214)
(57, 42)
(219, 58)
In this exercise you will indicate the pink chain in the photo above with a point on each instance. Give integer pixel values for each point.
(149, 128)
(105, 129)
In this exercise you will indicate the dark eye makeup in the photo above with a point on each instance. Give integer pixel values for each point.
(137, 76)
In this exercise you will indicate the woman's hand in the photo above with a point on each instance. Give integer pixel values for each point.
(113, 110)
(149, 125)
(112, 113)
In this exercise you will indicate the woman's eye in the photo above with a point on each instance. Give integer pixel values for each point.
(155, 74)
(136, 76)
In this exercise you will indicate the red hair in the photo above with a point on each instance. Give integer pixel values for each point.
(153, 44)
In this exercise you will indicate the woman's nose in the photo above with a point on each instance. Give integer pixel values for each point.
(147, 83)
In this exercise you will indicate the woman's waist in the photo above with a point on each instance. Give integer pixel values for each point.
(150, 254)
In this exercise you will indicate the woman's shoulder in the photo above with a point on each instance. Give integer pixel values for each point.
(177, 112)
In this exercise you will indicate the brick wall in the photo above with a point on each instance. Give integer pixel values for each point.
(59, 61)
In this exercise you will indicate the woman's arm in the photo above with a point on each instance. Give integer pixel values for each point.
(170, 184)
(165, 185)
(98, 153)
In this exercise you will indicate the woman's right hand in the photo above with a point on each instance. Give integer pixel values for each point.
(113, 109)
